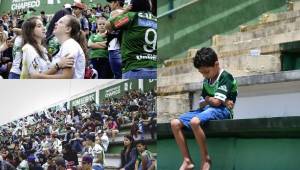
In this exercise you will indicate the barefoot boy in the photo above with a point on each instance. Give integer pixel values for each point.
(218, 96)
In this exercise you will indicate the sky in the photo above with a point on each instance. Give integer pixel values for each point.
(20, 98)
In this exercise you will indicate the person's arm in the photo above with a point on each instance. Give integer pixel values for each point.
(136, 166)
(66, 63)
(96, 45)
(213, 101)
(17, 31)
(132, 159)
(114, 14)
(220, 97)
(3, 47)
(144, 162)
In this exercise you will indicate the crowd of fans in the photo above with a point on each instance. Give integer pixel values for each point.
(117, 41)
(79, 138)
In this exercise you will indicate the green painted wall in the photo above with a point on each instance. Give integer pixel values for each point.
(236, 154)
(6, 5)
(194, 25)
(83, 99)
(149, 84)
(118, 90)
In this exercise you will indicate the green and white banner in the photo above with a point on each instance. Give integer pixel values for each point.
(118, 90)
(24, 4)
(83, 99)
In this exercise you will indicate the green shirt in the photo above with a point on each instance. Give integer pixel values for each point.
(98, 53)
(139, 39)
(92, 19)
(225, 87)
(53, 46)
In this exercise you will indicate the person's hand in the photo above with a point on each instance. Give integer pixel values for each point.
(66, 61)
(127, 8)
(207, 99)
(229, 104)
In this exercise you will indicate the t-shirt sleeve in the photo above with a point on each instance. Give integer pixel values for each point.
(224, 87)
(122, 21)
(30, 60)
(69, 49)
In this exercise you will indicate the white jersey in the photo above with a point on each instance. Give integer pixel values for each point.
(32, 62)
(70, 46)
(104, 141)
(17, 55)
(97, 151)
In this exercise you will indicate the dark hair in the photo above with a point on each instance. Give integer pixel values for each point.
(142, 142)
(140, 5)
(55, 18)
(77, 34)
(22, 155)
(205, 57)
(28, 34)
(125, 152)
(42, 12)
(130, 138)
(19, 23)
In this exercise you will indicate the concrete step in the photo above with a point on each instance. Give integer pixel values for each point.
(259, 42)
(174, 77)
(187, 58)
(279, 28)
(270, 19)
(113, 161)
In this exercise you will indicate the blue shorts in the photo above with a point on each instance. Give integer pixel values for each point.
(204, 115)
(141, 73)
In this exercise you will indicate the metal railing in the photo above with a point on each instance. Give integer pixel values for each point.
(178, 8)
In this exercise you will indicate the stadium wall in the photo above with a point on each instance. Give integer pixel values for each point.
(195, 24)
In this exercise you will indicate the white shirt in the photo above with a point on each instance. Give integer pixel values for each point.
(57, 145)
(23, 165)
(68, 119)
(70, 46)
(104, 141)
(32, 62)
(96, 151)
(17, 55)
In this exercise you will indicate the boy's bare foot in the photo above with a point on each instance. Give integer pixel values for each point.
(187, 165)
(206, 164)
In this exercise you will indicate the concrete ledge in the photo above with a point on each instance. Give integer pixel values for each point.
(259, 42)
(272, 19)
(281, 127)
(284, 76)
(147, 141)
(118, 155)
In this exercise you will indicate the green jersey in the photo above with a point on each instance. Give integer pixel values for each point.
(98, 53)
(53, 46)
(93, 19)
(139, 39)
(225, 87)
